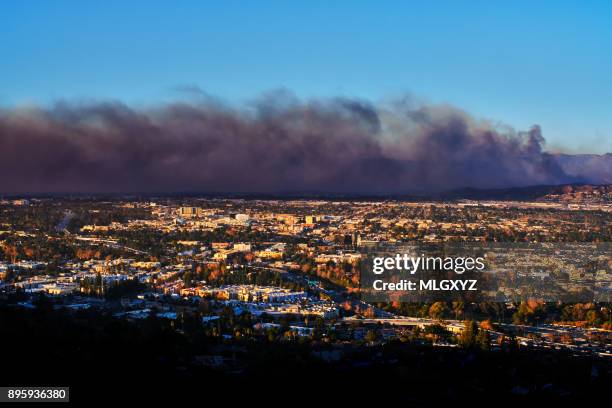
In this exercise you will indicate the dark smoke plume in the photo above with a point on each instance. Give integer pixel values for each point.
(278, 144)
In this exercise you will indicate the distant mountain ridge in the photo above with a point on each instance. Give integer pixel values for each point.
(570, 193)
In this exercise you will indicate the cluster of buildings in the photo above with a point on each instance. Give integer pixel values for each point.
(306, 241)
(248, 293)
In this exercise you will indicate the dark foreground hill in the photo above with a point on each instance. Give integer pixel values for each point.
(110, 360)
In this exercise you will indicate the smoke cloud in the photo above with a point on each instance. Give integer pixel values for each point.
(277, 144)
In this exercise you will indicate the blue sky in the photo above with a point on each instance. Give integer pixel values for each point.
(520, 63)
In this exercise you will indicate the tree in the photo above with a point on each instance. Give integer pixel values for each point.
(483, 339)
(458, 308)
(99, 283)
(467, 338)
(437, 310)
(187, 279)
(593, 318)
(371, 336)
(437, 331)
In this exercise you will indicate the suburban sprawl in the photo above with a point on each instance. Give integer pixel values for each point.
(287, 271)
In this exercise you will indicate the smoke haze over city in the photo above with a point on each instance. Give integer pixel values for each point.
(277, 144)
